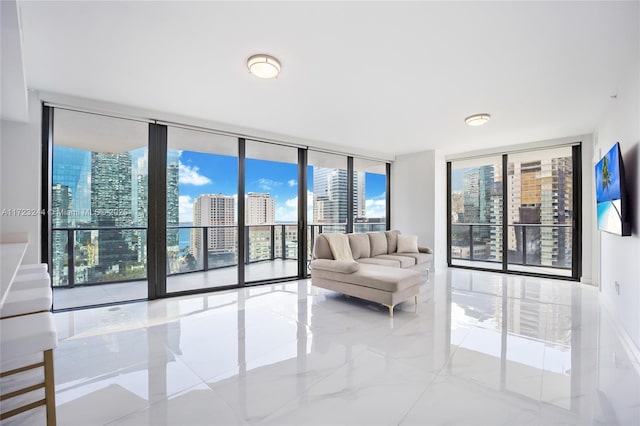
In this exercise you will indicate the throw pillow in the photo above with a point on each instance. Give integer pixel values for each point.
(407, 243)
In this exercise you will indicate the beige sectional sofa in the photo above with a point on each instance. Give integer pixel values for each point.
(377, 272)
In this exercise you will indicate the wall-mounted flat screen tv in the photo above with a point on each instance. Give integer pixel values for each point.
(611, 194)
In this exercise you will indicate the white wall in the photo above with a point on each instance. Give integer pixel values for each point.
(412, 195)
(620, 256)
(418, 200)
(589, 251)
(20, 176)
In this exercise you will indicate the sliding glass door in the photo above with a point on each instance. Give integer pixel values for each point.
(539, 214)
(476, 213)
(540, 211)
(270, 211)
(99, 201)
(202, 218)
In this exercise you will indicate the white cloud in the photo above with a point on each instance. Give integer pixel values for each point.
(185, 208)
(292, 203)
(288, 212)
(190, 175)
(375, 208)
(268, 184)
(292, 182)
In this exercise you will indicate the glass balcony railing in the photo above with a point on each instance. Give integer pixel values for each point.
(528, 244)
(97, 255)
(101, 255)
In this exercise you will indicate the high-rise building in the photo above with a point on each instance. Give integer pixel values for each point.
(72, 168)
(218, 213)
(359, 202)
(142, 205)
(479, 189)
(173, 196)
(108, 191)
(542, 195)
(330, 196)
(111, 206)
(260, 209)
(61, 201)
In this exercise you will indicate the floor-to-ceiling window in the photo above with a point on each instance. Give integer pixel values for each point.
(476, 212)
(270, 211)
(517, 212)
(540, 211)
(202, 218)
(99, 201)
(144, 209)
(327, 195)
(369, 195)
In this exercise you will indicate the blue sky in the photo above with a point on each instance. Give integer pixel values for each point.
(202, 173)
(457, 179)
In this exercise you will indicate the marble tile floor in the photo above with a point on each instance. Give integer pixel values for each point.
(478, 349)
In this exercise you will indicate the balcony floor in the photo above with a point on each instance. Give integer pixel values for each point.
(101, 294)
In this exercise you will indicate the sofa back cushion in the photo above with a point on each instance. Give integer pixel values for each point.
(321, 249)
(392, 240)
(360, 246)
(378, 242)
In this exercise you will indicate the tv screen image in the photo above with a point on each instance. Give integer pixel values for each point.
(611, 193)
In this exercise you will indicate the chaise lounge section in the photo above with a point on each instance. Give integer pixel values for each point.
(376, 271)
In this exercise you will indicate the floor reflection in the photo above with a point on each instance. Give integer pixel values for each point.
(480, 348)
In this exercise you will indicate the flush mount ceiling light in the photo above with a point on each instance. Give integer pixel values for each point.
(263, 66)
(477, 119)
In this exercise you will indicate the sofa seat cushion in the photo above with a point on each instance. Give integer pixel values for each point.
(405, 261)
(394, 263)
(374, 276)
(419, 258)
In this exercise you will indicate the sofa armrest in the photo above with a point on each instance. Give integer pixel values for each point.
(424, 250)
(335, 265)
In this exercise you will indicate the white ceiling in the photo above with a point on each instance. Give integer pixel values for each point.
(389, 77)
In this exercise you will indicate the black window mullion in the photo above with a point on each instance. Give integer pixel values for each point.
(46, 183)
(448, 213)
(505, 215)
(350, 201)
(302, 213)
(576, 249)
(388, 198)
(242, 249)
(157, 212)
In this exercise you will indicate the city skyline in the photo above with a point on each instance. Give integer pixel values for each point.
(110, 190)
(538, 192)
(203, 173)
